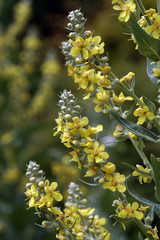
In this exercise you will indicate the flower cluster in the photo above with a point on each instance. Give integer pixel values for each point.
(40, 192)
(76, 221)
(80, 219)
(75, 133)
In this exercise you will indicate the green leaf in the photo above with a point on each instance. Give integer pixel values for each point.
(151, 216)
(150, 72)
(134, 128)
(122, 220)
(146, 174)
(139, 236)
(156, 171)
(147, 45)
(158, 6)
(141, 199)
(150, 104)
(126, 27)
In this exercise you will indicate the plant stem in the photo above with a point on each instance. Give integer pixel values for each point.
(134, 96)
(143, 228)
(141, 154)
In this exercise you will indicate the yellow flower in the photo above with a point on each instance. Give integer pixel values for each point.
(92, 169)
(102, 80)
(75, 158)
(77, 126)
(131, 210)
(84, 76)
(101, 99)
(32, 193)
(96, 153)
(153, 232)
(121, 98)
(105, 69)
(94, 130)
(86, 212)
(154, 29)
(156, 72)
(126, 7)
(150, 13)
(60, 127)
(98, 48)
(143, 113)
(140, 176)
(115, 182)
(128, 77)
(109, 168)
(50, 190)
(80, 45)
(142, 22)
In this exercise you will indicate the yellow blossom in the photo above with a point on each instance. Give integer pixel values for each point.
(104, 69)
(84, 77)
(150, 13)
(50, 190)
(115, 182)
(128, 77)
(96, 153)
(153, 232)
(125, 7)
(121, 98)
(77, 126)
(92, 169)
(131, 210)
(80, 45)
(101, 99)
(154, 29)
(32, 193)
(109, 168)
(156, 72)
(141, 177)
(143, 113)
(98, 47)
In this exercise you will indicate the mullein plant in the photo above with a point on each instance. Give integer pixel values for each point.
(75, 221)
(89, 68)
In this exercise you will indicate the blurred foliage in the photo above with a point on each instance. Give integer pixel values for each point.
(31, 77)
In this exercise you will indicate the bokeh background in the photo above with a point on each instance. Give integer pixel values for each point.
(32, 75)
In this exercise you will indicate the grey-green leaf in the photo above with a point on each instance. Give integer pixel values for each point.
(134, 128)
(141, 199)
(147, 45)
(150, 72)
(158, 6)
(150, 104)
(156, 171)
(139, 236)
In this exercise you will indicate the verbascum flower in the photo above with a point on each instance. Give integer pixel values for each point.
(81, 52)
(154, 29)
(129, 210)
(96, 153)
(126, 7)
(84, 224)
(102, 100)
(115, 182)
(140, 176)
(128, 77)
(121, 98)
(143, 113)
(41, 194)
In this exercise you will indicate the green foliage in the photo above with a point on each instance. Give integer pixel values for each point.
(156, 173)
(134, 128)
(147, 45)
